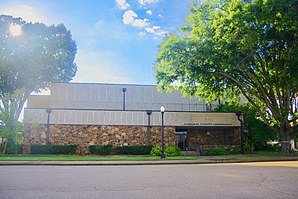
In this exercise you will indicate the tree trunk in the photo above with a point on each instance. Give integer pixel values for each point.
(4, 148)
(16, 143)
(285, 138)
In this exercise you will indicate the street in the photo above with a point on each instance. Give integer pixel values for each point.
(278, 180)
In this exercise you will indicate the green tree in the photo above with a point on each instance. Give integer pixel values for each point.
(233, 47)
(9, 126)
(32, 56)
(256, 134)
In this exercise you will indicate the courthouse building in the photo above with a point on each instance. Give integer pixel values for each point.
(125, 114)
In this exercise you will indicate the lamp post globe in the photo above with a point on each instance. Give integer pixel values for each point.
(162, 109)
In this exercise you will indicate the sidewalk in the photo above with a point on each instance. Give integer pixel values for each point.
(201, 160)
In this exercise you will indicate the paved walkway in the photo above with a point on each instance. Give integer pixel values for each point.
(201, 160)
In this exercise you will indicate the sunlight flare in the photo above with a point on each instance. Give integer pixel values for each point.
(15, 29)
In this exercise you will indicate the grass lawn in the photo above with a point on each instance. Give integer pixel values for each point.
(256, 156)
(262, 155)
(89, 158)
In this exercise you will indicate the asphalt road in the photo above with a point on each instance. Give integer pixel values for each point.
(251, 180)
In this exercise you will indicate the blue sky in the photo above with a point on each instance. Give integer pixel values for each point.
(117, 39)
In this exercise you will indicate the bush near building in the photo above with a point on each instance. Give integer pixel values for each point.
(53, 149)
(171, 151)
(156, 151)
(101, 150)
(93, 149)
(133, 150)
(120, 150)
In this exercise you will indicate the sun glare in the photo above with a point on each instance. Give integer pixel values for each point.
(15, 29)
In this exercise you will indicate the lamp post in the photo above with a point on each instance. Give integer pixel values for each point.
(149, 112)
(123, 90)
(48, 110)
(162, 110)
(238, 114)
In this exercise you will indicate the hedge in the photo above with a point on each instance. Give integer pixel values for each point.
(93, 149)
(53, 149)
(102, 150)
(133, 150)
(120, 150)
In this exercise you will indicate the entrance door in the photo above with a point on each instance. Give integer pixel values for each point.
(182, 140)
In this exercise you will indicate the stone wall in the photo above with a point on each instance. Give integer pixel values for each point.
(213, 137)
(85, 135)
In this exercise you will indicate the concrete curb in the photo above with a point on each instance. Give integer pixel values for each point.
(131, 163)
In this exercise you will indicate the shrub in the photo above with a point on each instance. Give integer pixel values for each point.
(11, 148)
(141, 150)
(102, 150)
(216, 151)
(93, 149)
(235, 149)
(20, 149)
(133, 150)
(172, 151)
(123, 150)
(53, 149)
(273, 147)
(156, 151)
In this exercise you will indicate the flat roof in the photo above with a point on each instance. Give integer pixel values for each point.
(103, 83)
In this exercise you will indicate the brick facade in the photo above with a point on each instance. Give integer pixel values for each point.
(85, 135)
(209, 138)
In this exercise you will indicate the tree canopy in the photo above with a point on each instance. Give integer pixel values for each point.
(233, 47)
(32, 56)
(38, 56)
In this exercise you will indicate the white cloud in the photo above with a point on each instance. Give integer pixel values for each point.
(150, 30)
(145, 2)
(27, 13)
(161, 33)
(122, 4)
(130, 18)
(149, 12)
(156, 31)
(141, 23)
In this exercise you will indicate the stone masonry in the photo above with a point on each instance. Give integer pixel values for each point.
(85, 135)
(209, 138)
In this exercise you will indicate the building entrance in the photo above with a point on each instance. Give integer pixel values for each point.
(182, 140)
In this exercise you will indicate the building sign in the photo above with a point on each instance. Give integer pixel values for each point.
(208, 120)
(204, 119)
(207, 124)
